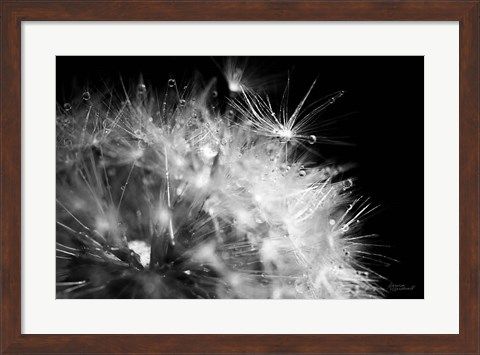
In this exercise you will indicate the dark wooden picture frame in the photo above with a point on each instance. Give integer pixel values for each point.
(14, 12)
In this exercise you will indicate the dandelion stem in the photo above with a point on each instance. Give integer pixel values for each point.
(167, 175)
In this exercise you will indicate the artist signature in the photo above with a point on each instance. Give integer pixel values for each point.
(400, 287)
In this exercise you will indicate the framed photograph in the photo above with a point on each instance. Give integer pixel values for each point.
(239, 177)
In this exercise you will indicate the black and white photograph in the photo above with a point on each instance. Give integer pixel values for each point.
(249, 177)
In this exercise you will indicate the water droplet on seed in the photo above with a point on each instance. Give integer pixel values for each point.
(347, 184)
(141, 89)
(67, 106)
(86, 96)
(171, 83)
(312, 139)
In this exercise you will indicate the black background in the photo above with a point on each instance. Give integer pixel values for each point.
(380, 115)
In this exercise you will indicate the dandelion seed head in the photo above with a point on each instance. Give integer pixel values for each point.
(174, 184)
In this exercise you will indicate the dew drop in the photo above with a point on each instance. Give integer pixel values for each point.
(182, 102)
(150, 119)
(141, 89)
(312, 139)
(302, 172)
(347, 184)
(345, 228)
(171, 83)
(214, 94)
(67, 106)
(86, 96)
(331, 222)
